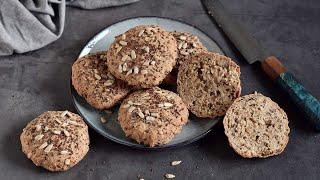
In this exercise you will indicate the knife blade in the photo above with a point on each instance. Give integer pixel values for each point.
(249, 47)
(252, 51)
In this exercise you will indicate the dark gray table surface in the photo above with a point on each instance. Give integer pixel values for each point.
(38, 81)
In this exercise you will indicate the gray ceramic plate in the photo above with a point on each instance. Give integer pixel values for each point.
(196, 127)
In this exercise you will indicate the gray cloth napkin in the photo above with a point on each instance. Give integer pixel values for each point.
(26, 25)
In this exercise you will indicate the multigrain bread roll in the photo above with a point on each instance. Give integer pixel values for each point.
(143, 56)
(152, 117)
(256, 126)
(208, 83)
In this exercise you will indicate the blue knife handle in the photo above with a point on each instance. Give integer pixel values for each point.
(301, 97)
(307, 103)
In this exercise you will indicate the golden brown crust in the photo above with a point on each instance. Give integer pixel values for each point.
(153, 117)
(93, 81)
(142, 56)
(208, 83)
(256, 126)
(54, 142)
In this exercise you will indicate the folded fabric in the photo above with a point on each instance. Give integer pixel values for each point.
(26, 25)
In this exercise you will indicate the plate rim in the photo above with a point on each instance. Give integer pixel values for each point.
(138, 146)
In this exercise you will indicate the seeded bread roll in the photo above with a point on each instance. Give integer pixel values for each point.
(55, 140)
(153, 117)
(188, 45)
(93, 81)
(208, 83)
(256, 126)
(143, 56)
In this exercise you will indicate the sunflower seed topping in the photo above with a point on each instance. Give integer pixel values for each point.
(147, 49)
(124, 57)
(146, 63)
(73, 123)
(183, 37)
(141, 33)
(64, 152)
(166, 104)
(147, 112)
(133, 54)
(109, 82)
(124, 67)
(140, 113)
(194, 45)
(46, 129)
(65, 132)
(180, 45)
(38, 137)
(130, 102)
(184, 53)
(43, 145)
(129, 72)
(58, 121)
(38, 127)
(123, 43)
(118, 49)
(131, 109)
(57, 132)
(126, 106)
(123, 36)
(185, 45)
(135, 70)
(153, 63)
(64, 124)
(97, 76)
(120, 68)
(67, 162)
(154, 114)
(48, 148)
(64, 113)
(150, 118)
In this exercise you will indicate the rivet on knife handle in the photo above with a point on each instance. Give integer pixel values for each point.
(298, 94)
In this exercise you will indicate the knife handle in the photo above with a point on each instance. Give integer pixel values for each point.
(307, 103)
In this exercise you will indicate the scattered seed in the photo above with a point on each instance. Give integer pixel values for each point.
(153, 63)
(131, 109)
(38, 137)
(137, 104)
(58, 121)
(144, 71)
(123, 43)
(140, 113)
(126, 106)
(141, 32)
(130, 102)
(29, 155)
(135, 70)
(183, 37)
(117, 45)
(38, 127)
(67, 162)
(109, 82)
(150, 118)
(95, 71)
(64, 152)
(175, 163)
(129, 72)
(147, 112)
(133, 54)
(148, 31)
(123, 36)
(57, 132)
(46, 128)
(190, 50)
(64, 113)
(146, 63)
(103, 120)
(169, 176)
(65, 132)
(185, 45)
(97, 76)
(120, 68)
(180, 45)
(43, 145)
(160, 105)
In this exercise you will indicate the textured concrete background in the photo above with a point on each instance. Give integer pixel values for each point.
(38, 81)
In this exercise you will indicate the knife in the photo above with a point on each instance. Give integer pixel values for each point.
(252, 51)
